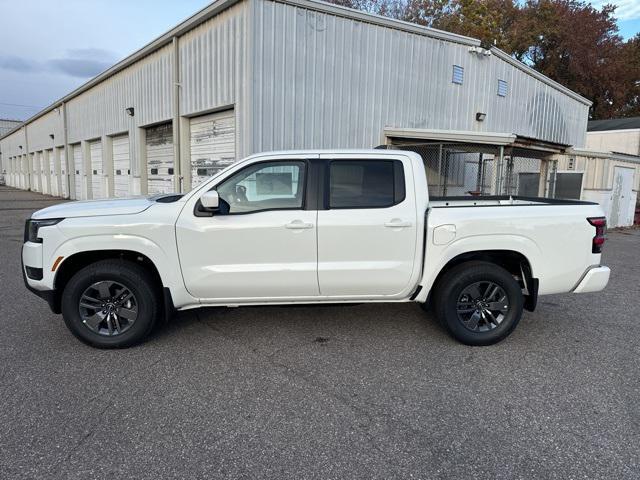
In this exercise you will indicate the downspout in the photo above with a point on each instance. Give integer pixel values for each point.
(177, 160)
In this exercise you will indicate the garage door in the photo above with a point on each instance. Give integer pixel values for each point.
(213, 145)
(95, 152)
(79, 172)
(51, 173)
(21, 176)
(160, 162)
(121, 166)
(44, 168)
(35, 173)
(23, 172)
(63, 172)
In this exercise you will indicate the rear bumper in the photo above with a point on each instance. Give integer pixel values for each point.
(594, 280)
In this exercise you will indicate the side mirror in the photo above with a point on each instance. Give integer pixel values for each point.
(210, 200)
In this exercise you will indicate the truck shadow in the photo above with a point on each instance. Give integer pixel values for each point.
(320, 323)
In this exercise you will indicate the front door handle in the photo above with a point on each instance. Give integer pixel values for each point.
(298, 225)
(397, 223)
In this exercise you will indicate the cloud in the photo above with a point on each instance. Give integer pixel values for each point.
(626, 9)
(79, 67)
(19, 64)
(83, 62)
(79, 63)
(91, 53)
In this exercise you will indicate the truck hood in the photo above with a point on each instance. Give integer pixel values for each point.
(92, 208)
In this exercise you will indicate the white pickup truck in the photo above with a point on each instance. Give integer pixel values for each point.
(310, 227)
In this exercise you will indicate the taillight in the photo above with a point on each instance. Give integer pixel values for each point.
(601, 233)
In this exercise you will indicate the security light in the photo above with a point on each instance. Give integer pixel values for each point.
(51, 136)
(130, 111)
(480, 116)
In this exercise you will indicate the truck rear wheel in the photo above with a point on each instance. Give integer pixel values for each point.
(111, 304)
(479, 303)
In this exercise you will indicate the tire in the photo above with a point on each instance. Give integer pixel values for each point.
(478, 319)
(134, 305)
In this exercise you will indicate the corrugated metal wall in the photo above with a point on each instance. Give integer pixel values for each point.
(296, 77)
(325, 81)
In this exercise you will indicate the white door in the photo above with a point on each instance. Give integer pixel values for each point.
(79, 172)
(262, 247)
(367, 235)
(121, 166)
(213, 145)
(160, 159)
(622, 198)
(35, 173)
(95, 153)
(25, 170)
(22, 170)
(44, 172)
(63, 172)
(53, 176)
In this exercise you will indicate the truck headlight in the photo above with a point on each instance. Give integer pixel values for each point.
(32, 226)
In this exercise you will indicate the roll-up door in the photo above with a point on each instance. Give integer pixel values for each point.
(53, 172)
(35, 173)
(95, 152)
(121, 165)
(21, 163)
(49, 175)
(63, 172)
(79, 172)
(25, 170)
(213, 145)
(44, 169)
(160, 161)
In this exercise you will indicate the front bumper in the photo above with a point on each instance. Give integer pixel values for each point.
(594, 280)
(32, 257)
(48, 296)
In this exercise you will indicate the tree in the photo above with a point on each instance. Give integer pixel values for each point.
(578, 46)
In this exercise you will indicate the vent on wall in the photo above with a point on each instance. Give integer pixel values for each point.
(502, 88)
(458, 74)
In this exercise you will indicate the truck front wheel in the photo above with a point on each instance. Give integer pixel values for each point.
(479, 303)
(111, 304)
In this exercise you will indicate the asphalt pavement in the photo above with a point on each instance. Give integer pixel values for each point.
(322, 392)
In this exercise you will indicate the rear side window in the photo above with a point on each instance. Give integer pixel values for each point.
(365, 183)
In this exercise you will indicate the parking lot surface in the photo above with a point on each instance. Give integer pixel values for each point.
(368, 391)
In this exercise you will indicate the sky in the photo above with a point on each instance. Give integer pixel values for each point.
(50, 47)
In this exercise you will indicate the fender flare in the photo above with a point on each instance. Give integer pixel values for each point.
(476, 244)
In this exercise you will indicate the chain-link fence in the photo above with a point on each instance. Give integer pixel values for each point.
(465, 169)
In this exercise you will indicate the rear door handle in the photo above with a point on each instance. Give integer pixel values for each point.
(397, 223)
(298, 225)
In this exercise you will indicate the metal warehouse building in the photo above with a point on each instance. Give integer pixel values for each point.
(245, 76)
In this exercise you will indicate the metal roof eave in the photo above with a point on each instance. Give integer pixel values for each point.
(623, 157)
(451, 135)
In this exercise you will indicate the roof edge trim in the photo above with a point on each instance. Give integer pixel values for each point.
(451, 135)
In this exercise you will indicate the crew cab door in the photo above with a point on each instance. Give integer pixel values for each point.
(260, 245)
(367, 232)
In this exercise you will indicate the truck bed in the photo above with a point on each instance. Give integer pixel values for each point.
(499, 200)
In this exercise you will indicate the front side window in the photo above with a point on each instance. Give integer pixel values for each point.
(365, 183)
(265, 186)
